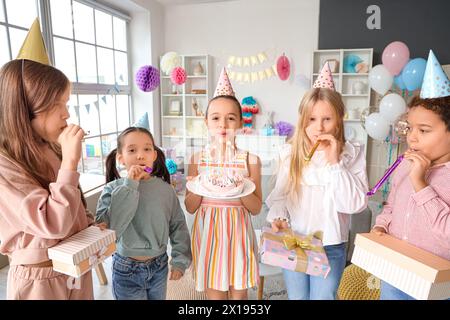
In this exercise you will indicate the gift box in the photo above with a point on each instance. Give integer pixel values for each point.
(414, 271)
(293, 251)
(79, 253)
(177, 181)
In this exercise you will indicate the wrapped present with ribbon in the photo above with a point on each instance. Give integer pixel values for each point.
(81, 252)
(290, 250)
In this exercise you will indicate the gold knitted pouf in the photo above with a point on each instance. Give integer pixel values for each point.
(357, 284)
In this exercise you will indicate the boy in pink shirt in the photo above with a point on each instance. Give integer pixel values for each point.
(418, 206)
(40, 201)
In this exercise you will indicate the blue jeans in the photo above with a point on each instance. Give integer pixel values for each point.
(301, 286)
(389, 292)
(139, 280)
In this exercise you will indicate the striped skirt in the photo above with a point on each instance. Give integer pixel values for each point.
(224, 247)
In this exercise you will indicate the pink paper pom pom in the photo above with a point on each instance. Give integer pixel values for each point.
(178, 76)
(147, 78)
(283, 67)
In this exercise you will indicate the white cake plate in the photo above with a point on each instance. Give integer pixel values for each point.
(195, 187)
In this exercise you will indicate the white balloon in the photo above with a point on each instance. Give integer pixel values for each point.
(380, 79)
(392, 106)
(377, 127)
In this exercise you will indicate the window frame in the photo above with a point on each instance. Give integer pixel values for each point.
(43, 9)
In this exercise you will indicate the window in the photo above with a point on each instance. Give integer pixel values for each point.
(88, 43)
(14, 24)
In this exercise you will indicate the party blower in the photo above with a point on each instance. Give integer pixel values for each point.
(148, 170)
(311, 153)
(386, 176)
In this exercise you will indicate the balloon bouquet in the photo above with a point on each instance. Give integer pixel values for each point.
(389, 125)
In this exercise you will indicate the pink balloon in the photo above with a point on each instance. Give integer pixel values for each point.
(395, 57)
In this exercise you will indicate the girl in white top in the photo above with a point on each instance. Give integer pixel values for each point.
(321, 193)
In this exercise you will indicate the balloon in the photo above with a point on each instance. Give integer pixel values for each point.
(380, 79)
(395, 57)
(398, 80)
(392, 106)
(413, 72)
(377, 127)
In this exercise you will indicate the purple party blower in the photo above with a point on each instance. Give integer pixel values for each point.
(148, 170)
(386, 176)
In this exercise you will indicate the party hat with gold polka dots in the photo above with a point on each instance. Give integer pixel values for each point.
(325, 79)
(435, 82)
(224, 87)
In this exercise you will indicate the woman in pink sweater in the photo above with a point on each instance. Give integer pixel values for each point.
(418, 206)
(40, 199)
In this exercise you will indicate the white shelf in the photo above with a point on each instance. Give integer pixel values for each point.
(355, 74)
(188, 127)
(354, 95)
(172, 137)
(352, 120)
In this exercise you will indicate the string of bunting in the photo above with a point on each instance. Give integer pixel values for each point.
(253, 76)
(87, 106)
(247, 61)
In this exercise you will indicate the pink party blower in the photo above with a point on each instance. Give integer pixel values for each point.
(386, 176)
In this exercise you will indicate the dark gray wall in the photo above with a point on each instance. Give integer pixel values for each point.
(420, 24)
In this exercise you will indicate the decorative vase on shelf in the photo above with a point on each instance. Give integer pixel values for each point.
(198, 69)
(358, 87)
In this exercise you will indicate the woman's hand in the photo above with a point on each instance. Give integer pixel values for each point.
(279, 224)
(419, 167)
(175, 274)
(70, 141)
(332, 147)
(136, 172)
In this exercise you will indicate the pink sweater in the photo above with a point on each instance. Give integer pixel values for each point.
(31, 218)
(420, 218)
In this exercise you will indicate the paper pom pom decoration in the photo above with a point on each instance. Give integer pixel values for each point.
(169, 61)
(284, 128)
(178, 76)
(147, 78)
(249, 108)
(171, 166)
(350, 62)
(283, 67)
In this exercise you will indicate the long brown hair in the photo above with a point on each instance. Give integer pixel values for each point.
(300, 142)
(159, 165)
(28, 88)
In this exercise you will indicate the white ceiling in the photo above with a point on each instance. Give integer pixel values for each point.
(181, 2)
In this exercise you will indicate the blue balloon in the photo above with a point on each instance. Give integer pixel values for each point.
(413, 72)
(398, 80)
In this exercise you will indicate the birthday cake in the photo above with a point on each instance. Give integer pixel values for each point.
(226, 185)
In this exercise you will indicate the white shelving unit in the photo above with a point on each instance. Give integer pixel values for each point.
(183, 129)
(345, 83)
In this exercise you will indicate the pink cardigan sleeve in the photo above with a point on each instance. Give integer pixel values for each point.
(28, 207)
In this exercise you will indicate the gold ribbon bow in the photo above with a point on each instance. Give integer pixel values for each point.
(292, 241)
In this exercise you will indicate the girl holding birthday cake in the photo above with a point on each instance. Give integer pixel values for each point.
(224, 245)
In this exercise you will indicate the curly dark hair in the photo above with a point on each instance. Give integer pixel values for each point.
(440, 106)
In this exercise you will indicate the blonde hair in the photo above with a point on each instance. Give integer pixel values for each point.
(300, 142)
